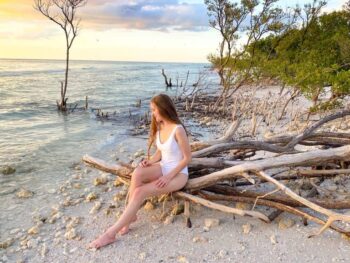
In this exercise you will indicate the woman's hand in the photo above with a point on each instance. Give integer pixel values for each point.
(163, 181)
(145, 163)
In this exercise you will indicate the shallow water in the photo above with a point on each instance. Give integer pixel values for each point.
(43, 145)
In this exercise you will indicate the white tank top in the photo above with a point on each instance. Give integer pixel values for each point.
(171, 152)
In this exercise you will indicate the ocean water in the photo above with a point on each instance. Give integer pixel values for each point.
(43, 144)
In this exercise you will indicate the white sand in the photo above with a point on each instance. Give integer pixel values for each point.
(152, 241)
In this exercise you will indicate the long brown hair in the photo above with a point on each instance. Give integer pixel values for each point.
(167, 110)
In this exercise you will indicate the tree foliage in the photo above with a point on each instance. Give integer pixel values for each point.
(309, 50)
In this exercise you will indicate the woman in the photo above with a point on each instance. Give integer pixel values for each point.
(166, 171)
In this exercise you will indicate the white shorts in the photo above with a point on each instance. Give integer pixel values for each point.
(168, 167)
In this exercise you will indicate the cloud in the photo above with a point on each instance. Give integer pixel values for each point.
(145, 15)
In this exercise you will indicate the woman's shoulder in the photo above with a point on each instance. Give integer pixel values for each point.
(180, 130)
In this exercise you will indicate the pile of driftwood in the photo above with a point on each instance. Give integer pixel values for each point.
(220, 172)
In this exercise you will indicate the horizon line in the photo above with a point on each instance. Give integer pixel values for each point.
(94, 60)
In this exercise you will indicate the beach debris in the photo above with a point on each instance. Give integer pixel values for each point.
(198, 239)
(149, 206)
(120, 196)
(77, 167)
(110, 208)
(24, 193)
(34, 230)
(77, 176)
(95, 208)
(118, 214)
(74, 221)
(73, 250)
(76, 186)
(7, 170)
(68, 201)
(139, 153)
(346, 237)
(70, 234)
(285, 223)
(90, 197)
(7, 243)
(163, 198)
(178, 209)
(15, 231)
(43, 250)
(243, 206)
(169, 219)
(108, 211)
(222, 253)
(211, 222)
(101, 180)
(54, 217)
(273, 239)
(246, 228)
(182, 259)
(117, 183)
(32, 243)
(142, 256)
(62, 188)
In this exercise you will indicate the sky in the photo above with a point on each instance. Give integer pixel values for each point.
(117, 30)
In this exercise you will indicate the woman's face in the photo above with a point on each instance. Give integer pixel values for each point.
(155, 112)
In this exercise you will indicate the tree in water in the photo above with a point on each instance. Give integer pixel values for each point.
(63, 13)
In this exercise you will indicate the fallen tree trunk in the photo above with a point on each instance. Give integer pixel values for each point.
(283, 199)
(299, 159)
(122, 171)
(221, 207)
(332, 216)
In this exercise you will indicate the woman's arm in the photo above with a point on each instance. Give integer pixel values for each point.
(155, 157)
(185, 147)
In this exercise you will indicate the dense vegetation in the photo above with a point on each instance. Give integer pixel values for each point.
(304, 48)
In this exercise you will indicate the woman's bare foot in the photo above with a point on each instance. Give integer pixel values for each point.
(126, 229)
(102, 241)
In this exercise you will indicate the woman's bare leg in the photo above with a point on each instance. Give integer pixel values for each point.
(139, 177)
(139, 194)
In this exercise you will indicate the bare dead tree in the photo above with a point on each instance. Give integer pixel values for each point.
(168, 84)
(63, 13)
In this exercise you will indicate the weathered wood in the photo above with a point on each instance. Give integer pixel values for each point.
(221, 147)
(332, 216)
(299, 159)
(199, 163)
(187, 214)
(220, 207)
(280, 198)
(279, 206)
(313, 127)
(122, 171)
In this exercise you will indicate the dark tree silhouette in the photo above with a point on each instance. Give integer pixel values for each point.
(63, 13)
